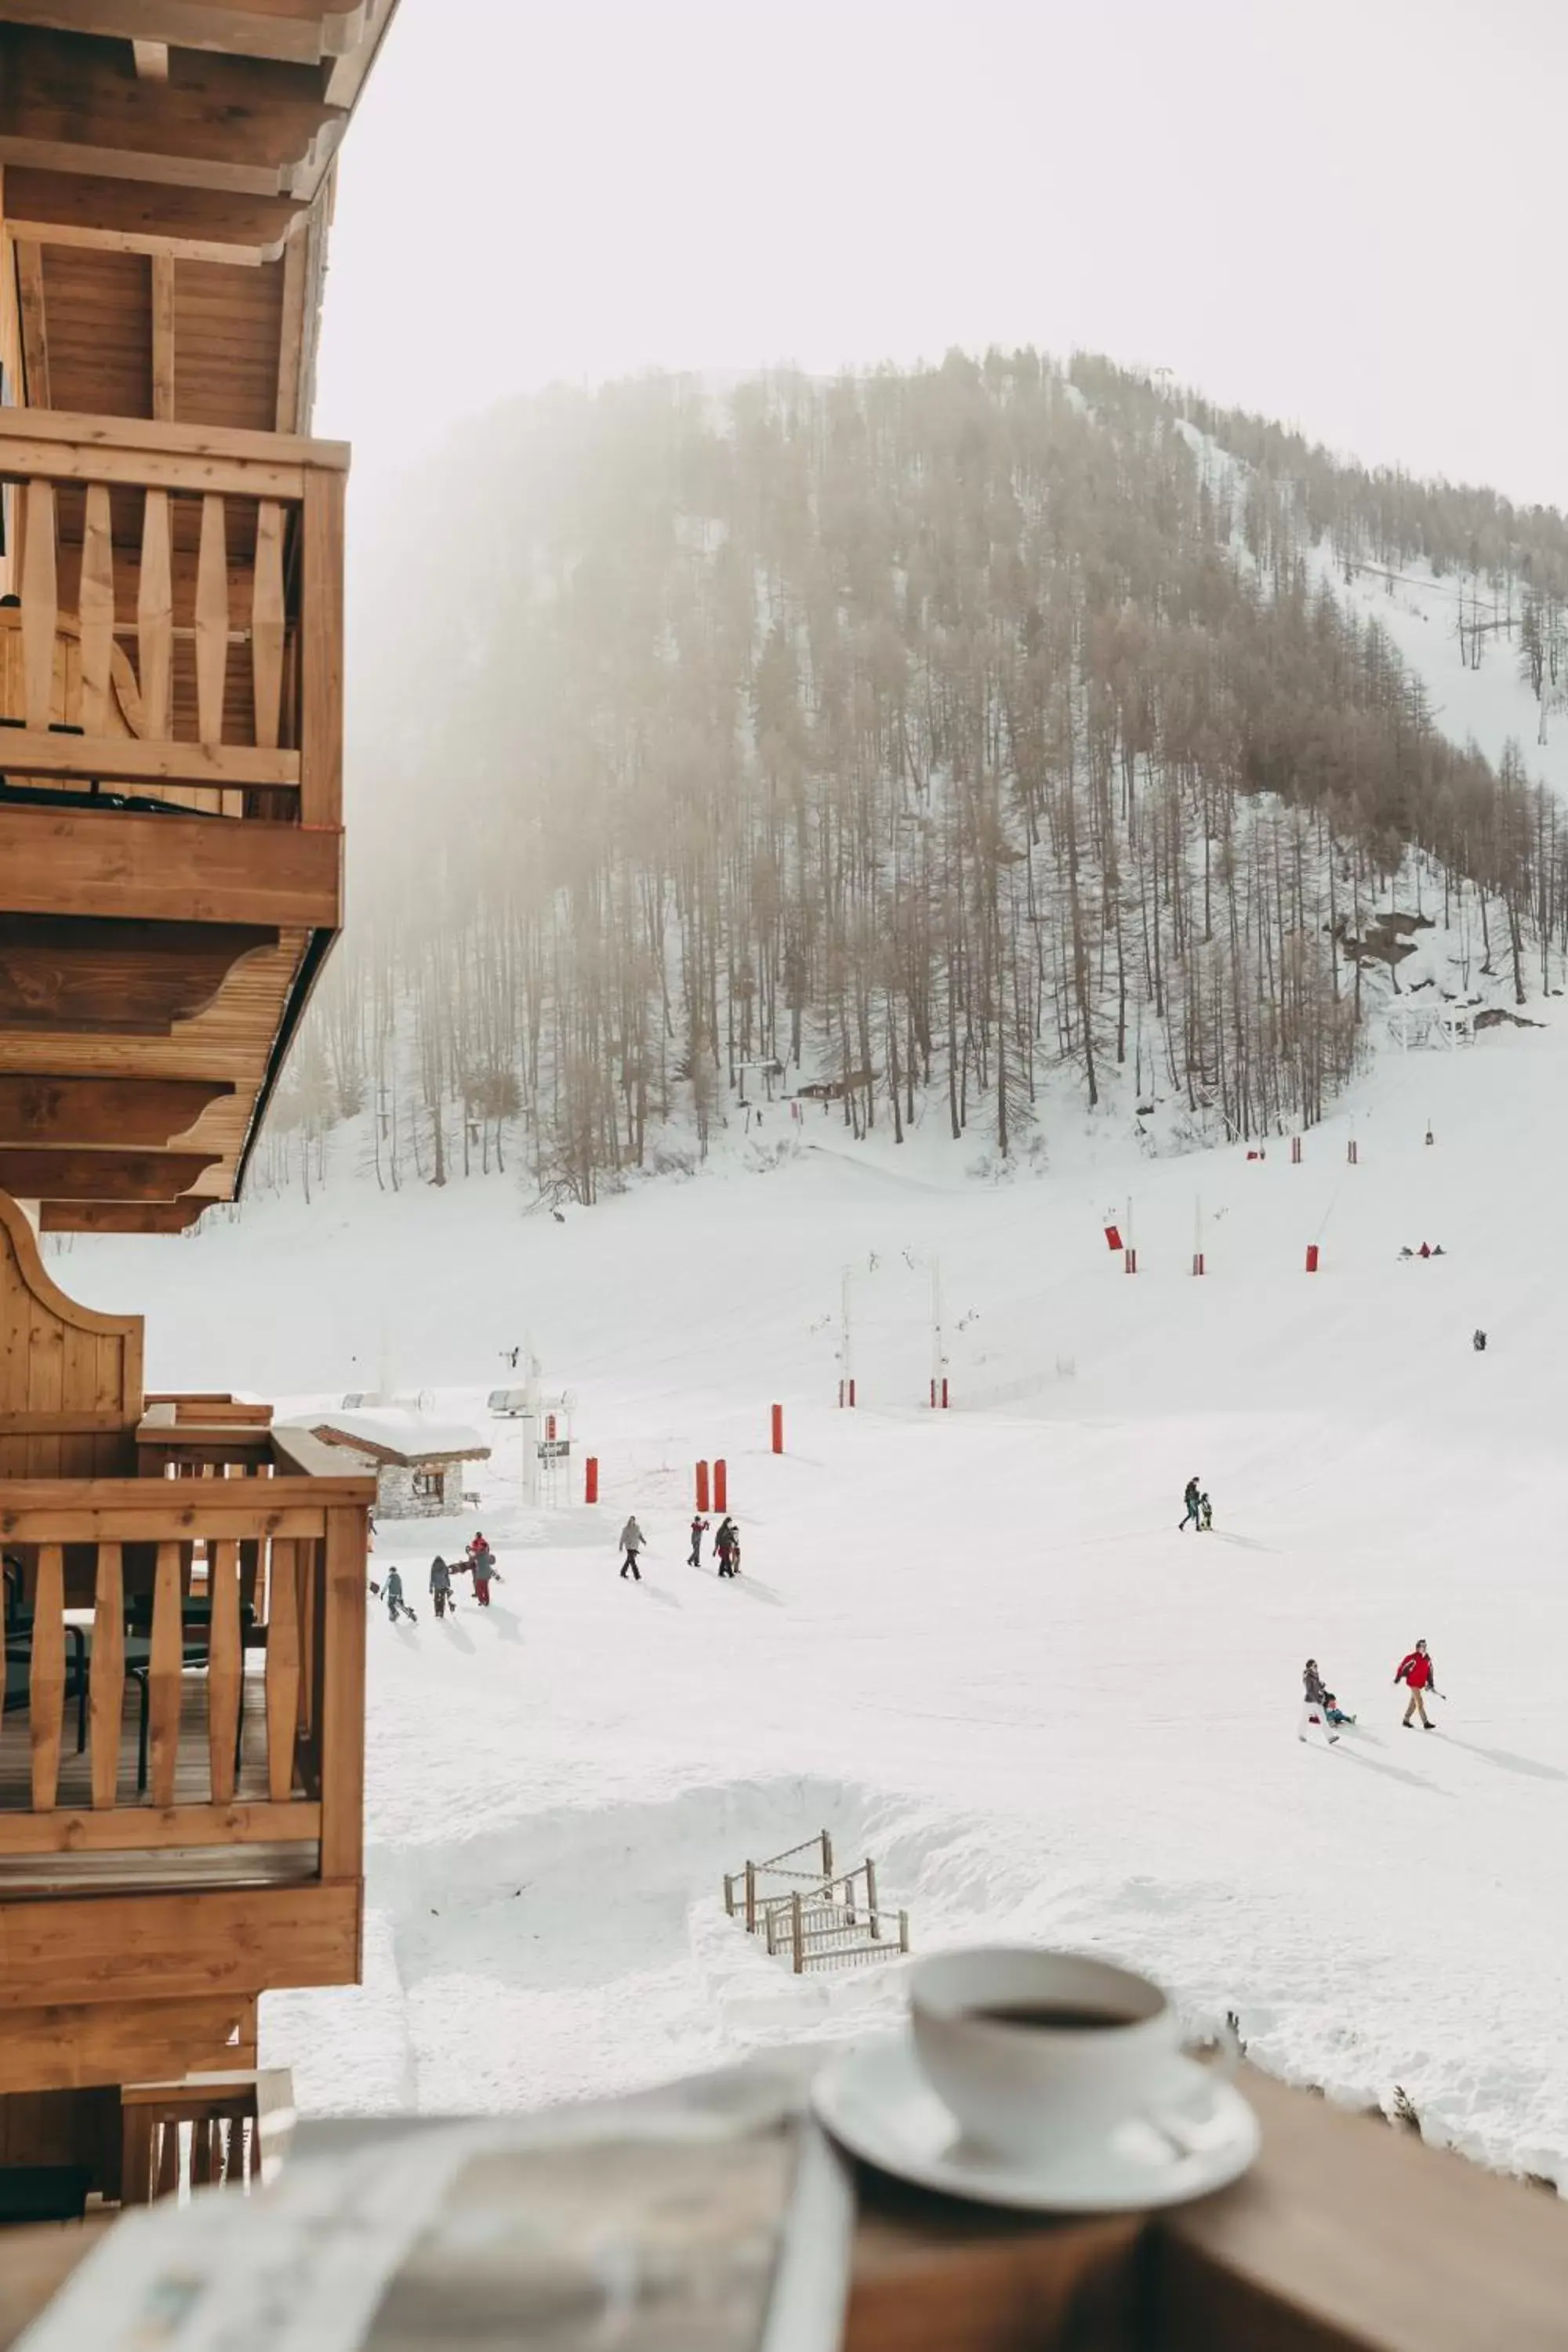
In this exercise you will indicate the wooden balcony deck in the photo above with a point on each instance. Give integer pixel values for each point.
(148, 1860)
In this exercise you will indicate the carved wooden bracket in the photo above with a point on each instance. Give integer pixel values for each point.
(125, 1111)
(66, 1175)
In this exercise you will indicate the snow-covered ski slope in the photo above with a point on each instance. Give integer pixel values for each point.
(974, 1644)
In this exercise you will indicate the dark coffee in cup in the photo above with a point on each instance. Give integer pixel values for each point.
(1051, 2016)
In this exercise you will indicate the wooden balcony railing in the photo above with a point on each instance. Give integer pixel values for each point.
(177, 632)
(209, 2131)
(184, 1675)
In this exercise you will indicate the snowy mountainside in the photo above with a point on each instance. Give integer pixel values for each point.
(970, 740)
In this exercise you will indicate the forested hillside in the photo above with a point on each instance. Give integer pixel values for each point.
(964, 738)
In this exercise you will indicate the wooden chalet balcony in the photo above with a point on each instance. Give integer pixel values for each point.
(183, 1730)
(171, 726)
(182, 1749)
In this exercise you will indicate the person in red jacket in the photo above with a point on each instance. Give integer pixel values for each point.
(1416, 1671)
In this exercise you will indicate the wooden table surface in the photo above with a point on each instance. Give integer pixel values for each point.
(1348, 2236)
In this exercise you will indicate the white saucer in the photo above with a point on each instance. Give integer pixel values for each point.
(877, 2103)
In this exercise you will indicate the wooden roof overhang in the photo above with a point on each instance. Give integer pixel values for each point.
(170, 577)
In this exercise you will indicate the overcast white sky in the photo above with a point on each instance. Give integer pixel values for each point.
(1347, 213)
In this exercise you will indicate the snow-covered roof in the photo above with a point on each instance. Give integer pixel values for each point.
(398, 1436)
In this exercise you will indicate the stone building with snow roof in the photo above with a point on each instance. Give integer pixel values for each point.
(418, 1463)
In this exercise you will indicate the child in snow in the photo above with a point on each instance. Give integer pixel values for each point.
(698, 1530)
(392, 1593)
(440, 1585)
(484, 1572)
(727, 1544)
(1193, 1498)
(1205, 1508)
(632, 1541)
(1314, 1704)
(1334, 1712)
(1419, 1676)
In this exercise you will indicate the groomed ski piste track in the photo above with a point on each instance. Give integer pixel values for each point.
(971, 1644)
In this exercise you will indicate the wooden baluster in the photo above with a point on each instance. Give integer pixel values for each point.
(164, 1676)
(106, 1695)
(282, 1672)
(47, 1690)
(155, 619)
(135, 2157)
(322, 650)
(212, 621)
(307, 1571)
(202, 2152)
(225, 1665)
(40, 605)
(267, 623)
(168, 2158)
(97, 610)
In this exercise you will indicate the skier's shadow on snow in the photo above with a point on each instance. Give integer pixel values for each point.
(1394, 1772)
(456, 1636)
(1525, 1764)
(507, 1624)
(664, 1599)
(1248, 1543)
(755, 1592)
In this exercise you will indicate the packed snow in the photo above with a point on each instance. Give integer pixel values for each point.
(972, 1643)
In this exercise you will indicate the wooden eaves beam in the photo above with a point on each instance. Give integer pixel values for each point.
(71, 103)
(145, 217)
(299, 32)
(79, 975)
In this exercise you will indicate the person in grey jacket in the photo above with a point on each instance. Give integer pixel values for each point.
(482, 1567)
(632, 1541)
(1314, 1704)
(440, 1585)
(392, 1593)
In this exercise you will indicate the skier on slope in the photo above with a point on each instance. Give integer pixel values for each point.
(727, 1544)
(1314, 1704)
(1193, 1498)
(482, 1568)
(1419, 1676)
(632, 1542)
(698, 1530)
(440, 1585)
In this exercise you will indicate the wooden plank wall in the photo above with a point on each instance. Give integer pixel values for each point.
(70, 1380)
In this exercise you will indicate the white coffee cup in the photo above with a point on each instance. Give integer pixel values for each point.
(1025, 2088)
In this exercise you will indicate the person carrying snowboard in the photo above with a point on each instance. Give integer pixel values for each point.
(1193, 1498)
(632, 1542)
(727, 1544)
(392, 1593)
(698, 1530)
(483, 1570)
(1314, 1704)
(440, 1585)
(1419, 1676)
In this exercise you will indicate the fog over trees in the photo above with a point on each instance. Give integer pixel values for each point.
(942, 735)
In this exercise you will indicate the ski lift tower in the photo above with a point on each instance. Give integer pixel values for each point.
(915, 1263)
(544, 1427)
(769, 1071)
